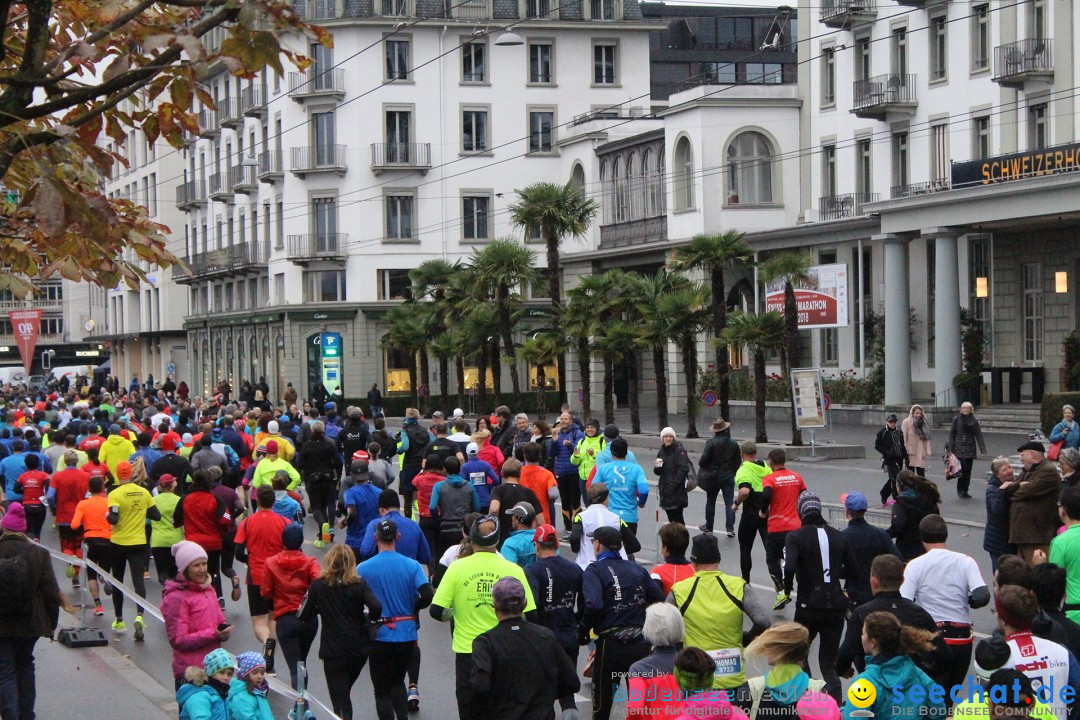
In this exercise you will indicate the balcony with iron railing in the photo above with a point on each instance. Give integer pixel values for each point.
(48, 304)
(400, 156)
(848, 205)
(271, 168)
(845, 13)
(220, 189)
(633, 232)
(243, 178)
(317, 158)
(229, 114)
(232, 260)
(881, 95)
(303, 249)
(1023, 61)
(208, 126)
(253, 100)
(190, 194)
(923, 188)
(328, 83)
(316, 10)
(920, 3)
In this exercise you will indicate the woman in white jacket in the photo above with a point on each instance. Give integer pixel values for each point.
(916, 430)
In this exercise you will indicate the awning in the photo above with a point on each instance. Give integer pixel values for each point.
(107, 365)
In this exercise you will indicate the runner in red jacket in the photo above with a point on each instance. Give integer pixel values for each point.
(286, 579)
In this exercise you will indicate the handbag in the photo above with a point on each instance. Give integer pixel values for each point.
(1055, 449)
(691, 477)
(953, 468)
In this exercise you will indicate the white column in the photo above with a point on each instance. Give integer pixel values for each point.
(897, 336)
(947, 346)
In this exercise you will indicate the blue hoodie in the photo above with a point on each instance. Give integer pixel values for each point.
(887, 672)
(627, 487)
(482, 477)
(244, 705)
(562, 453)
(200, 702)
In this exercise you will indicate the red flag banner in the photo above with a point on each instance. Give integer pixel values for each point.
(26, 324)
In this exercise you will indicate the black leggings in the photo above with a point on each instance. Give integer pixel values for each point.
(774, 557)
(35, 519)
(322, 496)
(829, 624)
(165, 563)
(295, 637)
(750, 527)
(570, 495)
(389, 664)
(341, 675)
(610, 666)
(429, 526)
(122, 556)
(964, 481)
(228, 554)
(675, 515)
(213, 566)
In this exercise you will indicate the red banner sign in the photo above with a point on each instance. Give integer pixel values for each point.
(26, 324)
(821, 301)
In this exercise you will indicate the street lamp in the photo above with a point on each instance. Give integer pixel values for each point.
(509, 38)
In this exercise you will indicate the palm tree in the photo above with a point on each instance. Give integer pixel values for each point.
(406, 334)
(714, 254)
(480, 324)
(579, 321)
(557, 211)
(442, 346)
(689, 310)
(433, 281)
(619, 343)
(655, 328)
(606, 296)
(501, 266)
(793, 268)
(541, 349)
(761, 333)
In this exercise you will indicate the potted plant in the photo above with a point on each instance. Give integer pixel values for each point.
(968, 382)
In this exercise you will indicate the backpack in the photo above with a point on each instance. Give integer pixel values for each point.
(332, 431)
(16, 586)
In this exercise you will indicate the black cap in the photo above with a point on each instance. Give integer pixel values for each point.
(891, 418)
(611, 431)
(608, 537)
(1032, 445)
(619, 447)
(705, 549)
(386, 530)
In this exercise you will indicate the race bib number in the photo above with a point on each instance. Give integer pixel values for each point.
(477, 478)
(728, 661)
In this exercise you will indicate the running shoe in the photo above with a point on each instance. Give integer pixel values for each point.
(99, 610)
(71, 571)
(414, 699)
(325, 536)
(268, 655)
(319, 544)
(782, 600)
(731, 533)
(146, 575)
(705, 529)
(119, 627)
(139, 628)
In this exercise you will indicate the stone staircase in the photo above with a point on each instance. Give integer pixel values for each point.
(1021, 419)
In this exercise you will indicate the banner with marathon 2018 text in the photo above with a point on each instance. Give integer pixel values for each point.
(822, 300)
(25, 325)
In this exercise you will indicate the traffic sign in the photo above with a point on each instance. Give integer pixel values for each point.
(709, 398)
(825, 401)
(170, 369)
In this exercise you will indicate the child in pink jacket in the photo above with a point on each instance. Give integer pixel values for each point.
(194, 622)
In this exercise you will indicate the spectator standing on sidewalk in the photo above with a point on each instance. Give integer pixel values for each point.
(32, 603)
(720, 460)
(1033, 498)
(965, 434)
(890, 443)
(996, 530)
(672, 466)
(564, 441)
(916, 432)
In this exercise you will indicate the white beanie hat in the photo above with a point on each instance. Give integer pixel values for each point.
(667, 431)
(272, 427)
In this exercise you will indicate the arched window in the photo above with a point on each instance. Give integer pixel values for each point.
(622, 197)
(749, 176)
(682, 170)
(633, 188)
(577, 178)
(661, 185)
(605, 193)
(648, 178)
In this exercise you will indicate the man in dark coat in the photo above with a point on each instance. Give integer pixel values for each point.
(1033, 515)
(890, 443)
(30, 598)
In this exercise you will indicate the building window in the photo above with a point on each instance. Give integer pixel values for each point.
(324, 286)
(541, 124)
(1037, 19)
(322, 128)
(864, 177)
(604, 9)
(863, 280)
(397, 59)
(541, 9)
(939, 68)
(980, 137)
(474, 130)
(764, 73)
(719, 73)
(395, 285)
(1033, 312)
(931, 300)
(683, 171)
(541, 63)
(476, 217)
(474, 62)
(830, 337)
(899, 51)
(862, 58)
(279, 222)
(980, 306)
(1038, 128)
(939, 152)
(324, 223)
(980, 37)
(828, 76)
(900, 159)
(604, 58)
(622, 192)
(399, 216)
(828, 170)
(749, 162)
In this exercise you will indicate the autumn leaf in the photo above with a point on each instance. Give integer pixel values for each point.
(181, 93)
(117, 67)
(49, 209)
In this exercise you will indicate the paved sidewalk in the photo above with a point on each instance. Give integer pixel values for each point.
(109, 684)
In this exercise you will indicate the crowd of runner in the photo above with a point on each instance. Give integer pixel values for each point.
(523, 537)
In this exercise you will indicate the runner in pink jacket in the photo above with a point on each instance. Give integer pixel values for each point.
(190, 607)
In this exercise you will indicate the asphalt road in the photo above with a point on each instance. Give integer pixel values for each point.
(830, 479)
